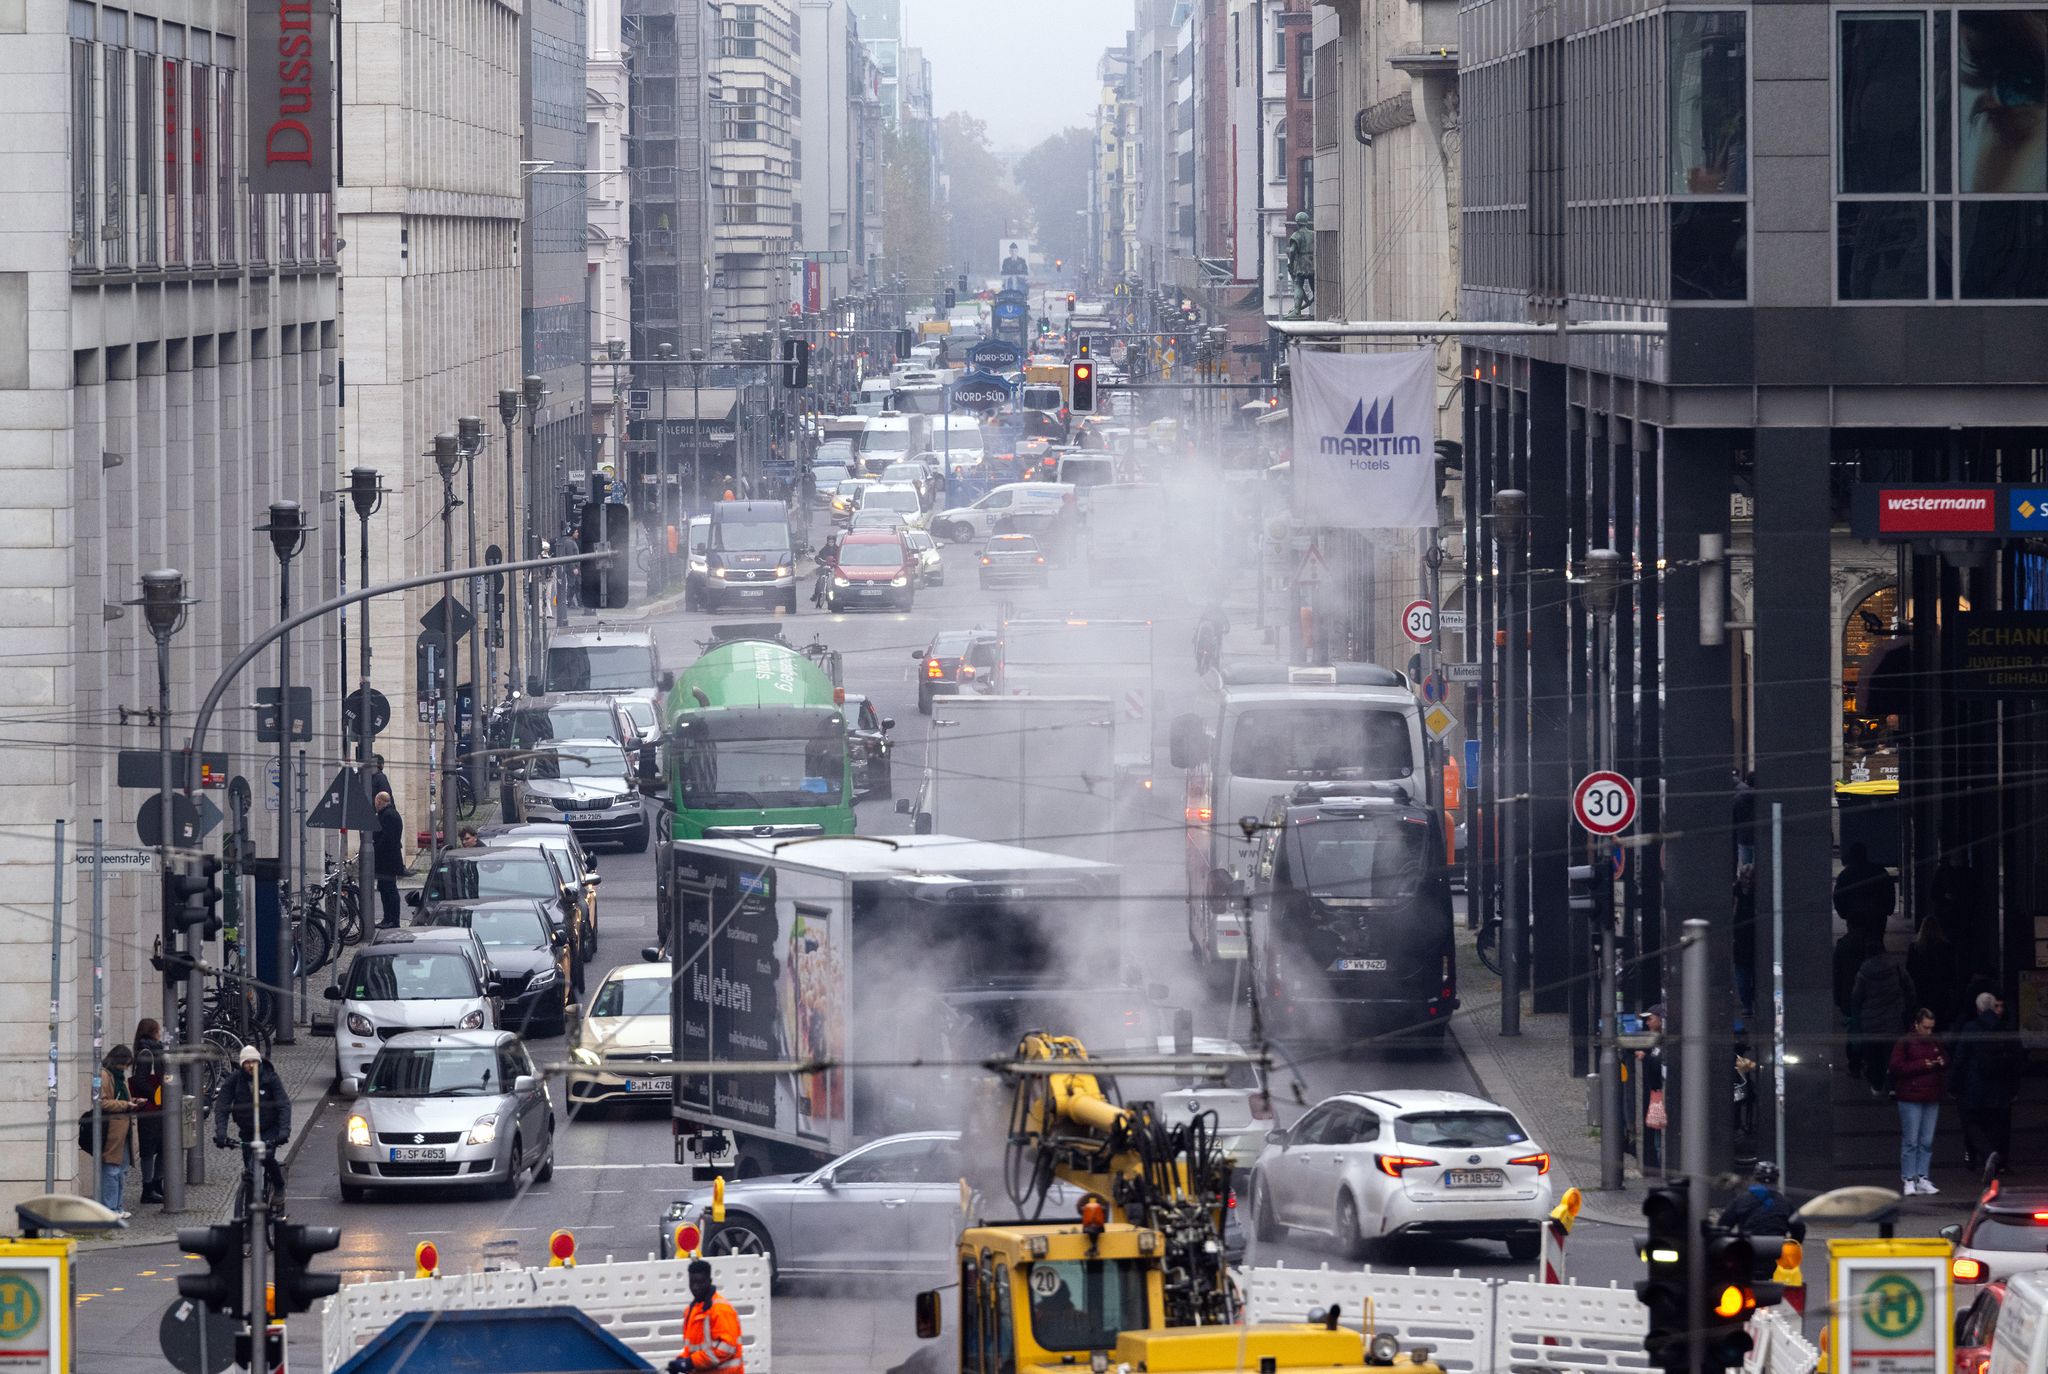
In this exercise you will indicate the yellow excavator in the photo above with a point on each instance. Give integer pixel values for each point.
(1135, 1277)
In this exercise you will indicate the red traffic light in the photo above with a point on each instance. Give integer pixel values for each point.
(1083, 371)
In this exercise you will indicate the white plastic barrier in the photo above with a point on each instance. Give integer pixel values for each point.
(640, 1302)
(1779, 1345)
(1453, 1314)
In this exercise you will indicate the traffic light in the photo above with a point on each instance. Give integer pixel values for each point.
(952, 298)
(192, 898)
(299, 1287)
(796, 359)
(1668, 1250)
(1082, 401)
(220, 1287)
(1083, 348)
(1070, 302)
(1059, 264)
(1730, 1300)
(604, 582)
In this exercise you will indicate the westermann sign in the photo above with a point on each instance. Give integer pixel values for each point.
(1365, 439)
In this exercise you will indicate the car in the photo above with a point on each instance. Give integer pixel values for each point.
(1011, 560)
(825, 476)
(1977, 1327)
(865, 519)
(441, 1109)
(1243, 1112)
(1367, 1168)
(902, 497)
(1051, 526)
(625, 1023)
(2006, 1234)
(931, 564)
(873, 569)
(399, 986)
(485, 873)
(868, 746)
(587, 785)
(954, 660)
(697, 571)
(529, 954)
(846, 500)
(963, 524)
(618, 659)
(909, 471)
(572, 860)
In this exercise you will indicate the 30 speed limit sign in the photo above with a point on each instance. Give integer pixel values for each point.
(1418, 621)
(1604, 803)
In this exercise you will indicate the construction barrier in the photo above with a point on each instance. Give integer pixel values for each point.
(1500, 1325)
(640, 1302)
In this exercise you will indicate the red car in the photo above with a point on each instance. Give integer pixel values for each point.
(875, 568)
(1976, 1326)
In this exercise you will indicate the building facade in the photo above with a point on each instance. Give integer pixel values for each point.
(841, 84)
(608, 209)
(673, 46)
(555, 286)
(756, 165)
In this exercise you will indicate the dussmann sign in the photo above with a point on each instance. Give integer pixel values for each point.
(1948, 510)
(291, 96)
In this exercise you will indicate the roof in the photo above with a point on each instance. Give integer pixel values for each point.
(644, 969)
(600, 634)
(933, 856)
(515, 1340)
(456, 1039)
(1424, 1100)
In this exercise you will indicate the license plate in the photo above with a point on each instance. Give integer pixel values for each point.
(1475, 1178)
(417, 1154)
(647, 1085)
(1360, 966)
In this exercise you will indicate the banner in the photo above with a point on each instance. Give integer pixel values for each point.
(1364, 439)
(291, 97)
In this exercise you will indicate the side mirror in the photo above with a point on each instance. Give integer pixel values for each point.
(525, 1083)
(650, 954)
(929, 1314)
(414, 897)
(558, 937)
(332, 992)
(569, 894)
(827, 1181)
(903, 806)
(1277, 1136)
(352, 1086)
(593, 879)
(1952, 1234)
(322, 1027)
(888, 723)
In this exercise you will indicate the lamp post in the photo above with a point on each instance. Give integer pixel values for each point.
(666, 516)
(1600, 583)
(696, 433)
(447, 453)
(366, 495)
(287, 531)
(469, 435)
(508, 416)
(534, 391)
(163, 609)
(1510, 522)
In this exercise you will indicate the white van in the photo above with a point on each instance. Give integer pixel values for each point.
(2020, 1345)
(887, 439)
(964, 523)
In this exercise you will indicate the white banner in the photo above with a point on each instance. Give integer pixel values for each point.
(1364, 439)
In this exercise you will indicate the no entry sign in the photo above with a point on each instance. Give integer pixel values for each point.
(1604, 803)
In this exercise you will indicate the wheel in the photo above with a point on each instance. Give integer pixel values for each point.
(740, 1235)
(638, 844)
(924, 701)
(546, 1172)
(510, 1186)
(354, 1192)
(959, 531)
(1488, 944)
(1265, 1228)
(1525, 1246)
(1351, 1242)
(886, 788)
(588, 941)
(789, 602)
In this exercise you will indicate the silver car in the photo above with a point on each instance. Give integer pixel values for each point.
(446, 1108)
(587, 785)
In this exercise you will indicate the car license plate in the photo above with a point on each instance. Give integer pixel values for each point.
(1360, 966)
(417, 1154)
(1475, 1178)
(647, 1085)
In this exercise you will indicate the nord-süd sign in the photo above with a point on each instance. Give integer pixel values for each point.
(291, 96)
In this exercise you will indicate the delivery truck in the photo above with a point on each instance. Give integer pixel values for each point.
(1037, 771)
(812, 958)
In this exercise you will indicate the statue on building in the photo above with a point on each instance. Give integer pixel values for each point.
(1301, 265)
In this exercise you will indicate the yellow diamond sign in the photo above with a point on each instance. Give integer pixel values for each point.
(2027, 508)
(1438, 721)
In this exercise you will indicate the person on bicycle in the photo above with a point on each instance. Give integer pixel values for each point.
(828, 563)
(251, 1097)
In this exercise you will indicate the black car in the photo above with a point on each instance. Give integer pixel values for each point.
(468, 876)
(869, 746)
(530, 953)
(955, 661)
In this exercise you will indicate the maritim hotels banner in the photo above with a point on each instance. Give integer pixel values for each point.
(1364, 439)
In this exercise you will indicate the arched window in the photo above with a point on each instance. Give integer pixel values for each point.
(1280, 146)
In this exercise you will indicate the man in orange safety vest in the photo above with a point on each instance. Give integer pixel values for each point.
(711, 1329)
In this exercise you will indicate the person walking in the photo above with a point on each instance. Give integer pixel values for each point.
(1984, 1073)
(1650, 1065)
(1878, 1007)
(145, 1090)
(1865, 894)
(1919, 1073)
(117, 1111)
(711, 1329)
(254, 1102)
(390, 857)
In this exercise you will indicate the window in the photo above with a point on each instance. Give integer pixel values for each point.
(896, 1161)
(145, 216)
(224, 151)
(114, 132)
(1280, 146)
(1236, 50)
(1708, 90)
(1083, 1304)
(84, 227)
(1304, 65)
(200, 78)
(1883, 104)
(1308, 184)
(173, 132)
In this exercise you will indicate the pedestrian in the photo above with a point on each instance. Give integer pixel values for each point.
(1919, 1071)
(145, 1089)
(1936, 965)
(378, 782)
(711, 1329)
(254, 1102)
(1650, 1068)
(1865, 894)
(1878, 1007)
(1762, 1209)
(1984, 1073)
(390, 856)
(468, 837)
(117, 1111)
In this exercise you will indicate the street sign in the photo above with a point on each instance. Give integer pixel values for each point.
(995, 355)
(980, 391)
(1451, 622)
(431, 621)
(181, 1337)
(1439, 721)
(1310, 570)
(1604, 803)
(342, 806)
(430, 674)
(119, 860)
(192, 821)
(1418, 621)
(1890, 1306)
(380, 712)
(1461, 672)
(266, 714)
(1433, 687)
(144, 768)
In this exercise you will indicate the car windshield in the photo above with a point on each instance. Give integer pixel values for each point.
(584, 761)
(594, 721)
(751, 536)
(903, 472)
(436, 1071)
(499, 927)
(640, 711)
(1995, 1231)
(904, 501)
(888, 440)
(1473, 1130)
(1083, 1304)
(1320, 742)
(600, 668)
(784, 771)
(1376, 858)
(463, 878)
(410, 976)
(870, 556)
(631, 997)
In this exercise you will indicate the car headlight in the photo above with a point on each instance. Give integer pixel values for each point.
(546, 976)
(838, 581)
(899, 581)
(485, 1131)
(718, 573)
(588, 1058)
(474, 1021)
(535, 799)
(359, 1024)
(784, 569)
(358, 1130)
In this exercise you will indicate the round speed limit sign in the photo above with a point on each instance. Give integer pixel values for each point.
(1604, 803)
(1418, 621)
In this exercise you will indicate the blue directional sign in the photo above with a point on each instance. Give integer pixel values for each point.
(980, 391)
(2026, 509)
(995, 355)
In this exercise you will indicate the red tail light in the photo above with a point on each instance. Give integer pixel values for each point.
(1393, 1166)
(1540, 1162)
(932, 668)
(1965, 1270)
(1232, 1204)
(1200, 814)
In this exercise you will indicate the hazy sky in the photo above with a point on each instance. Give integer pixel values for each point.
(1025, 66)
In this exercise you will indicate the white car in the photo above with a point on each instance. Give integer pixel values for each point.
(391, 988)
(964, 524)
(1244, 1114)
(931, 565)
(1366, 1168)
(902, 497)
(625, 1023)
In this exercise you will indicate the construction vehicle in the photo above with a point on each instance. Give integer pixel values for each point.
(1136, 1279)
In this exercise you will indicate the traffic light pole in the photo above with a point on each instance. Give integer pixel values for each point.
(259, 1219)
(174, 1165)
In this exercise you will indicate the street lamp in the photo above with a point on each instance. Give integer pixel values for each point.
(508, 416)
(164, 604)
(696, 433)
(366, 495)
(469, 435)
(1601, 578)
(447, 453)
(534, 391)
(1510, 515)
(287, 531)
(666, 352)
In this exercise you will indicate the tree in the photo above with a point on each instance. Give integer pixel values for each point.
(1054, 178)
(913, 234)
(984, 203)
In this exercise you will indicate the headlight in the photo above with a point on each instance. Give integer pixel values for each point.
(899, 581)
(358, 1130)
(535, 799)
(485, 1131)
(589, 1058)
(718, 573)
(838, 581)
(359, 1024)
(474, 1021)
(784, 569)
(544, 977)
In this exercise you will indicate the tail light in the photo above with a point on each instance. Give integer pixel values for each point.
(1539, 1161)
(1963, 1269)
(1231, 1205)
(1200, 815)
(1393, 1166)
(932, 668)
(1039, 559)
(966, 672)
